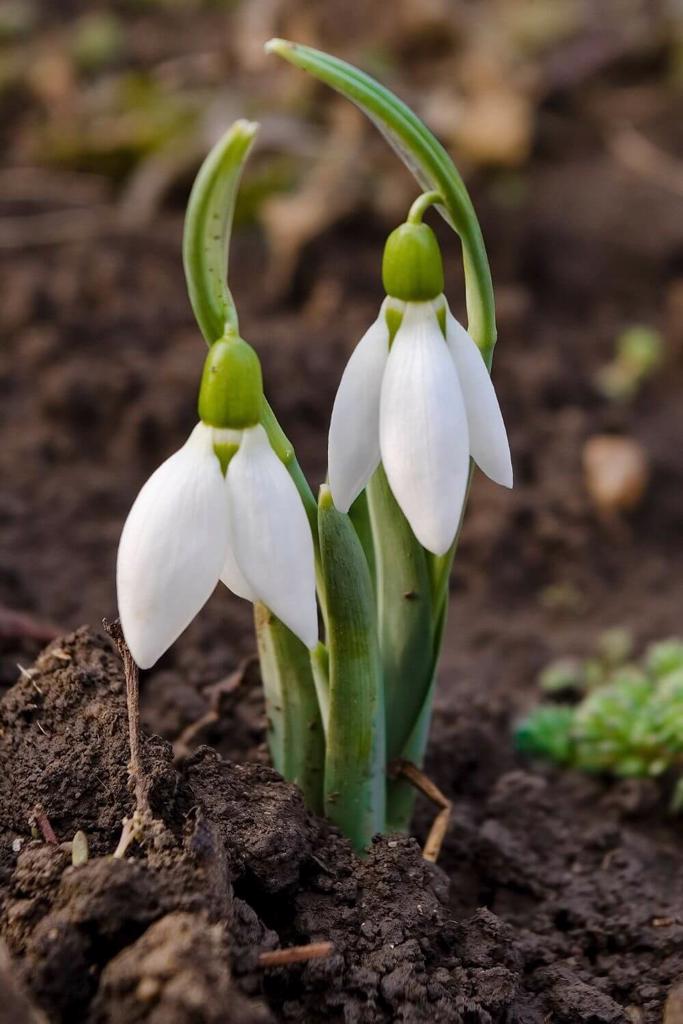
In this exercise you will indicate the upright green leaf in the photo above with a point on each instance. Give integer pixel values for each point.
(355, 762)
(404, 604)
(295, 728)
(401, 794)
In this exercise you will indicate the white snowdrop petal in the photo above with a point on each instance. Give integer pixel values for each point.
(489, 445)
(423, 430)
(172, 548)
(353, 443)
(271, 535)
(231, 574)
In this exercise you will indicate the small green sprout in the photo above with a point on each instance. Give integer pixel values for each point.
(628, 722)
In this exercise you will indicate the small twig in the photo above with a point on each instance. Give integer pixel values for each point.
(42, 822)
(417, 778)
(295, 954)
(132, 830)
(130, 671)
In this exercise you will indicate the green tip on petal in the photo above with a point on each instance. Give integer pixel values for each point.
(231, 389)
(412, 269)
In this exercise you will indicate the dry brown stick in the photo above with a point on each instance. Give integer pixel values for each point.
(295, 954)
(130, 671)
(418, 779)
(42, 822)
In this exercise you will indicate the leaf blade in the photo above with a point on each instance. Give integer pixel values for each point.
(427, 160)
(208, 225)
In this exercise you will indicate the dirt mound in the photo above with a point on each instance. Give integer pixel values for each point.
(577, 916)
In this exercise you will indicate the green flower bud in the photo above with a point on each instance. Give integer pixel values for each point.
(231, 390)
(412, 269)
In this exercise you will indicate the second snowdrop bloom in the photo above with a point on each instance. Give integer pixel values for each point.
(222, 507)
(422, 403)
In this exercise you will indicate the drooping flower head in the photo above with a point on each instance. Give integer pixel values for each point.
(222, 507)
(417, 396)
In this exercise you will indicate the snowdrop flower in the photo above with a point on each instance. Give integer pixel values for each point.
(422, 403)
(222, 507)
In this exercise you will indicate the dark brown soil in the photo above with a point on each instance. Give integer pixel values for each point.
(549, 905)
(557, 898)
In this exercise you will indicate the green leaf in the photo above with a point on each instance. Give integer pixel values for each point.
(208, 223)
(320, 666)
(359, 514)
(400, 793)
(295, 728)
(355, 762)
(404, 606)
(428, 161)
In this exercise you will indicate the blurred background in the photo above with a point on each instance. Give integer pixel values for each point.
(564, 118)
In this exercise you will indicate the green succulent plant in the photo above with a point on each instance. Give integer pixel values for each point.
(627, 722)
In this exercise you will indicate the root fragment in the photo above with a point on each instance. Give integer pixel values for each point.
(135, 826)
(132, 830)
(130, 670)
(418, 779)
(40, 821)
(295, 954)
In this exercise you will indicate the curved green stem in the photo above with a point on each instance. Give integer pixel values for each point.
(429, 162)
(208, 223)
(421, 205)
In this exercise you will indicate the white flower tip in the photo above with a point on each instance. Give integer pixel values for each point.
(140, 643)
(340, 498)
(436, 541)
(309, 635)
